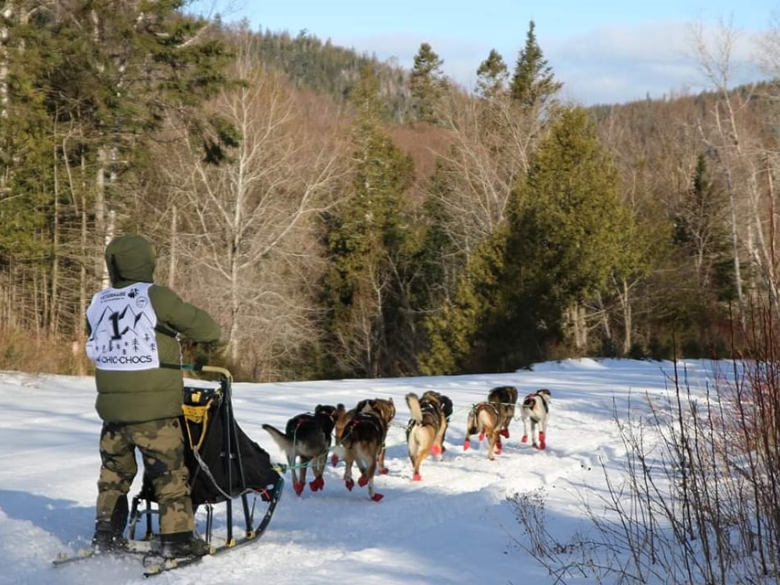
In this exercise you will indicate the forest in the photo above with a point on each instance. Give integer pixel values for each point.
(343, 217)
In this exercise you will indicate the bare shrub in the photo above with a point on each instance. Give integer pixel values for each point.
(697, 498)
(41, 354)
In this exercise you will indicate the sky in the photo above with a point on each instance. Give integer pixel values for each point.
(604, 51)
(455, 526)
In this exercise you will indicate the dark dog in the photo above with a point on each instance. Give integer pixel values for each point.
(362, 441)
(306, 441)
(536, 412)
(505, 397)
(426, 428)
(487, 419)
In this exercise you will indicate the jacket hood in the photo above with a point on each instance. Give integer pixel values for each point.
(130, 258)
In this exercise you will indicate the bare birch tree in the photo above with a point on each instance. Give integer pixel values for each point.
(248, 225)
(491, 143)
(739, 157)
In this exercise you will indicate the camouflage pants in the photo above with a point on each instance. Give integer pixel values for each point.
(161, 444)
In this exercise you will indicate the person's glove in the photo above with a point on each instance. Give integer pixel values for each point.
(204, 351)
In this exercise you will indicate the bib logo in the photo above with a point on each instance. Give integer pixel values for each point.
(123, 359)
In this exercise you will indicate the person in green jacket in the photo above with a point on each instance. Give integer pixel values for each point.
(134, 327)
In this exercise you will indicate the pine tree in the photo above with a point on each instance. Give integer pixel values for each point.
(427, 83)
(492, 76)
(368, 240)
(89, 85)
(533, 82)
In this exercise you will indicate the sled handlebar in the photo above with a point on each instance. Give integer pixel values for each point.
(223, 372)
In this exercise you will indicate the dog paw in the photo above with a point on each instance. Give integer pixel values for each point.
(505, 433)
(384, 471)
(349, 484)
(334, 460)
(436, 450)
(482, 436)
(377, 497)
(417, 477)
(362, 481)
(524, 439)
(466, 445)
(298, 487)
(542, 445)
(317, 484)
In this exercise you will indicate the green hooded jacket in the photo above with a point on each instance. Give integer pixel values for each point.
(145, 395)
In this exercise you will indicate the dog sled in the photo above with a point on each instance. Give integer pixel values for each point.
(226, 467)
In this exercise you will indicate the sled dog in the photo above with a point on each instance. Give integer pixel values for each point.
(487, 419)
(305, 441)
(385, 407)
(536, 412)
(505, 397)
(446, 406)
(361, 440)
(426, 428)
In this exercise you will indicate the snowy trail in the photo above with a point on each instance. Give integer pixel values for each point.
(455, 526)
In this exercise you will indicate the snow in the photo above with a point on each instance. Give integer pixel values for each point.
(457, 525)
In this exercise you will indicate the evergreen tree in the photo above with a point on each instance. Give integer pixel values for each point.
(533, 82)
(89, 85)
(456, 330)
(365, 291)
(565, 236)
(427, 83)
(492, 76)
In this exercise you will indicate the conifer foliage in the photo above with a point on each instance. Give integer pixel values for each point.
(533, 82)
(565, 235)
(367, 242)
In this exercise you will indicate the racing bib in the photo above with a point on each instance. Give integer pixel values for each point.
(122, 322)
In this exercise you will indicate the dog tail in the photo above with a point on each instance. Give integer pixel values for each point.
(414, 407)
(284, 443)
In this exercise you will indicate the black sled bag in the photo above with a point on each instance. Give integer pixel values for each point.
(222, 460)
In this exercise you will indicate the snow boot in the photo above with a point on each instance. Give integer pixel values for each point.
(182, 545)
(107, 539)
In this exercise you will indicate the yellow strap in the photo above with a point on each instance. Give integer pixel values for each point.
(197, 415)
